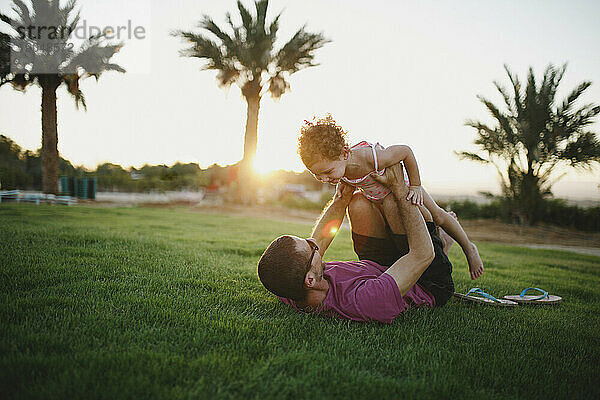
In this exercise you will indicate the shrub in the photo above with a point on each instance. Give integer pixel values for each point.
(554, 211)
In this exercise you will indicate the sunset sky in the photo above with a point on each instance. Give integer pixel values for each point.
(394, 72)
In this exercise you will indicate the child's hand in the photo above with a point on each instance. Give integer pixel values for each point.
(342, 190)
(415, 195)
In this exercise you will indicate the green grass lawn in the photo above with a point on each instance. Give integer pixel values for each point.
(165, 303)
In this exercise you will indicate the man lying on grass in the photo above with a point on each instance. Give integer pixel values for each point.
(292, 268)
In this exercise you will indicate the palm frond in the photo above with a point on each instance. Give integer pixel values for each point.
(503, 120)
(546, 185)
(21, 9)
(5, 59)
(237, 32)
(518, 98)
(261, 12)
(530, 91)
(80, 99)
(203, 48)
(228, 42)
(13, 23)
(274, 27)
(570, 100)
(579, 119)
(492, 141)
(582, 151)
(561, 73)
(465, 155)
(72, 24)
(547, 91)
(247, 19)
(278, 85)
(6, 19)
(510, 105)
(213, 55)
(226, 77)
(72, 83)
(299, 51)
(93, 58)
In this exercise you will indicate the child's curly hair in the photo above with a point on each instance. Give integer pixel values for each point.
(321, 139)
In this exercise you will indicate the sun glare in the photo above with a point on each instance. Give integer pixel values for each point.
(264, 164)
(263, 167)
(331, 228)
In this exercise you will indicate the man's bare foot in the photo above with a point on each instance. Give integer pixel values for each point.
(446, 240)
(474, 261)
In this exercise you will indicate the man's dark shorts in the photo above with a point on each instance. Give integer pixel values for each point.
(437, 278)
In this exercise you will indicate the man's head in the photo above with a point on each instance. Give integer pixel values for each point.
(289, 266)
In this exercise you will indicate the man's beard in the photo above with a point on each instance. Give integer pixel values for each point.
(320, 276)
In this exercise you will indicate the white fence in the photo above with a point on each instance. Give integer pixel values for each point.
(155, 197)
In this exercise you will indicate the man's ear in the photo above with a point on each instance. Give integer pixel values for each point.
(346, 152)
(310, 279)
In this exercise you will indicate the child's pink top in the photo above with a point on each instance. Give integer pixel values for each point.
(360, 291)
(372, 189)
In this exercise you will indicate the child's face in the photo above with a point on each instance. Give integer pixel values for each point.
(329, 171)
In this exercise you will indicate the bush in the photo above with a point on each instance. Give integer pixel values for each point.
(554, 211)
(557, 212)
(467, 209)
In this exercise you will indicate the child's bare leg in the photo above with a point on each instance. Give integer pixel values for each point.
(453, 228)
(446, 239)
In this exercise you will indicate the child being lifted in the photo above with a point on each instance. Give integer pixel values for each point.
(324, 151)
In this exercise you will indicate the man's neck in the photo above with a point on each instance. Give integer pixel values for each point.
(316, 295)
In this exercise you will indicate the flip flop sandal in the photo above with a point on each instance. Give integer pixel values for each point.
(544, 298)
(486, 299)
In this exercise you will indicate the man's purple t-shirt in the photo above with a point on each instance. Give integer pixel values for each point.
(360, 291)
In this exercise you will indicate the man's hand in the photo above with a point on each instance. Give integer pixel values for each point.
(393, 178)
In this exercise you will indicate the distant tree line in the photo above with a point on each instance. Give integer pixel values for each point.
(22, 169)
(115, 178)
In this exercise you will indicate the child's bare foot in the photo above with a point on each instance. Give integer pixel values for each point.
(474, 260)
(446, 240)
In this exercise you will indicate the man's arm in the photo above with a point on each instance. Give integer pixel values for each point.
(407, 270)
(330, 220)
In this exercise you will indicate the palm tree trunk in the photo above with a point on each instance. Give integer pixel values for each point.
(49, 135)
(250, 137)
(245, 191)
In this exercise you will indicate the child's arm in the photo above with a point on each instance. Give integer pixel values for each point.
(393, 155)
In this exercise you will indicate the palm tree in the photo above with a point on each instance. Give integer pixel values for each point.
(534, 137)
(246, 55)
(40, 55)
(4, 58)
